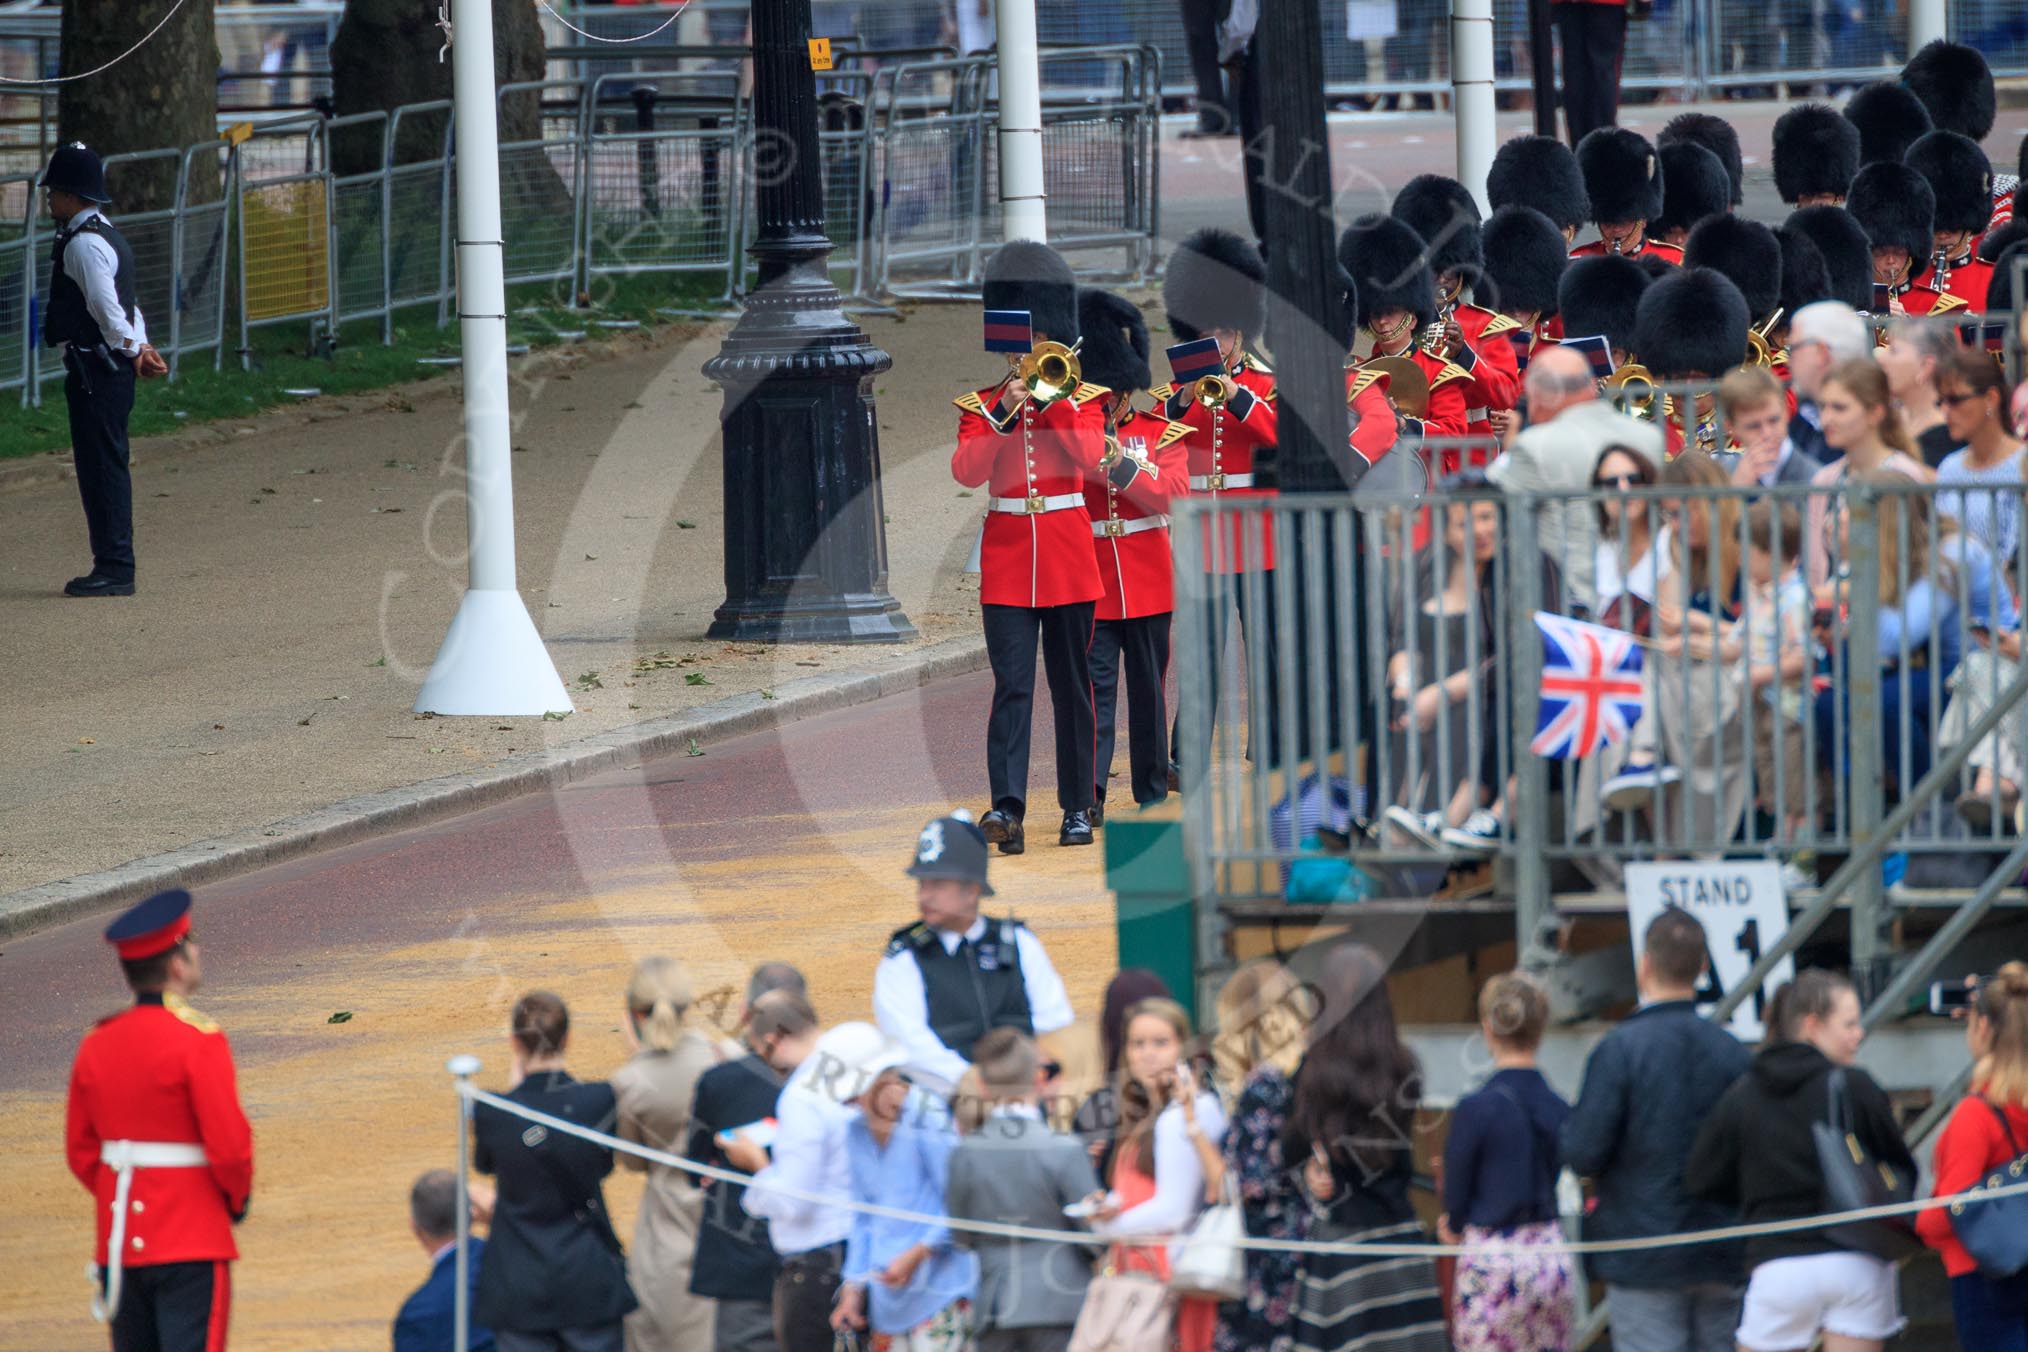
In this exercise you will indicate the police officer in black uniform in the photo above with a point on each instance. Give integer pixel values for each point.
(955, 975)
(93, 318)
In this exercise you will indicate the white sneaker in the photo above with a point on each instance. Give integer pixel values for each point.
(1637, 785)
(1424, 828)
(1479, 835)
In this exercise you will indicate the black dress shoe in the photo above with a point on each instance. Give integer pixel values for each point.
(98, 584)
(1002, 829)
(1175, 778)
(1098, 814)
(1076, 829)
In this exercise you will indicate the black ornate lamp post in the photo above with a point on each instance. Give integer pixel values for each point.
(805, 549)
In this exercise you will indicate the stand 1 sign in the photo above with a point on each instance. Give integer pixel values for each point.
(1742, 909)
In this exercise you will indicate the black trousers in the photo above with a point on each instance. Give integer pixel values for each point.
(1064, 632)
(1594, 40)
(1143, 643)
(1200, 37)
(173, 1307)
(100, 397)
(1245, 80)
(805, 1290)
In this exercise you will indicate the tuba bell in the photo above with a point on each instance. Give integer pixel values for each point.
(1632, 387)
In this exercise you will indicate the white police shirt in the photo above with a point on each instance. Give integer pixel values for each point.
(901, 1006)
(90, 261)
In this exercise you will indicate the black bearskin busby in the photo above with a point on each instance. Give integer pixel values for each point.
(1692, 322)
(1602, 295)
(1716, 135)
(1816, 151)
(1896, 208)
(2000, 291)
(1385, 261)
(1540, 172)
(1442, 211)
(1525, 259)
(1956, 85)
(1746, 253)
(1846, 252)
(1025, 275)
(1115, 351)
(2002, 238)
(1890, 119)
(1622, 175)
(1805, 279)
(1216, 280)
(1961, 177)
(1694, 186)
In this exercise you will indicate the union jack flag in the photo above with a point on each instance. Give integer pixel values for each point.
(1591, 687)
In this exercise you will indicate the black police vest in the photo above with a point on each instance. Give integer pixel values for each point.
(68, 319)
(974, 990)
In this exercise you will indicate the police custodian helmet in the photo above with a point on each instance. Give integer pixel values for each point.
(75, 169)
(952, 847)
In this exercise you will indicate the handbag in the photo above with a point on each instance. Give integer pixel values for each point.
(1124, 1312)
(1211, 1262)
(1995, 1233)
(1854, 1180)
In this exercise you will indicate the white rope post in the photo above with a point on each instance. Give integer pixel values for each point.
(1472, 104)
(1022, 195)
(492, 662)
(462, 1069)
(1926, 23)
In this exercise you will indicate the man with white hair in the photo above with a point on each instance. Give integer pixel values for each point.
(1569, 428)
(1821, 335)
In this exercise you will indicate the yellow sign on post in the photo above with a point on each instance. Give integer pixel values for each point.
(820, 53)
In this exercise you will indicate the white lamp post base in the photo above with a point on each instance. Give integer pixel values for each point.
(493, 663)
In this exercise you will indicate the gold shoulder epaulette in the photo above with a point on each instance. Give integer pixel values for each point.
(1946, 302)
(1086, 392)
(1161, 393)
(176, 1005)
(971, 403)
(1172, 434)
(1253, 363)
(1360, 383)
(1452, 371)
(1270, 395)
(1499, 323)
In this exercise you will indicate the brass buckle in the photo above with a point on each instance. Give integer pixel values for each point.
(1115, 527)
(1035, 504)
(1217, 483)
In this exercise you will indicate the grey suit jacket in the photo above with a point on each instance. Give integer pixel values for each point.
(1016, 1171)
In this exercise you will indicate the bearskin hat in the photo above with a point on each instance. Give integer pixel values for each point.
(1025, 275)
(1694, 186)
(1442, 211)
(1889, 118)
(1540, 172)
(1955, 84)
(1216, 280)
(1389, 272)
(1115, 351)
(1716, 135)
(1847, 253)
(1961, 177)
(1692, 321)
(1602, 295)
(1815, 151)
(1805, 279)
(1525, 259)
(1745, 252)
(2000, 291)
(1622, 176)
(1896, 208)
(2002, 238)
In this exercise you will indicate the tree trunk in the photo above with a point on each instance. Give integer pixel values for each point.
(163, 95)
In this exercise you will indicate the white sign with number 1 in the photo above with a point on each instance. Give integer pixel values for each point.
(1743, 911)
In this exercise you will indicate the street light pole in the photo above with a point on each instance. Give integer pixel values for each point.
(805, 547)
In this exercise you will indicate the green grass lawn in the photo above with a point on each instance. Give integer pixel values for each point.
(282, 359)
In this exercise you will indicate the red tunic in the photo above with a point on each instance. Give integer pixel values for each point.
(1668, 253)
(1921, 300)
(1495, 383)
(1221, 444)
(1445, 415)
(1135, 560)
(2003, 204)
(161, 1074)
(1967, 279)
(1040, 556)
(1375, 428)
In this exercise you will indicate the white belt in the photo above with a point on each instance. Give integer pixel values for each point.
(1113, 527)
(125, 1157)
(1475, 415)
(1035, 504)
(1212, 483)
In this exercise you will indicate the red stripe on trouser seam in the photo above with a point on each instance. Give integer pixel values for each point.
(221, 1306)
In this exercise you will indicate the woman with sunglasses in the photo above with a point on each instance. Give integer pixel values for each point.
(1974, 395)
(1628, 566)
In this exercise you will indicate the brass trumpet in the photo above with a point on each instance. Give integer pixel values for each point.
(1633, 388)
(1759, 347)
(1047, 372)
(1213, 392)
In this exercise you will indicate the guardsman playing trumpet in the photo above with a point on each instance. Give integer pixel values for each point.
(1897, 208)
(1623, 179)
(1442, 212)
(1962, 178)
(1129, 507)
(1392, 299)
(156, 1134)
(1036, 439)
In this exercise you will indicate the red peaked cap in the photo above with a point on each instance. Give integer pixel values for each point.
(152, 926)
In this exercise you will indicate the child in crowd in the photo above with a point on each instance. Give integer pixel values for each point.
(1499, 1187)
(1014, 1170)
(1778, 662)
